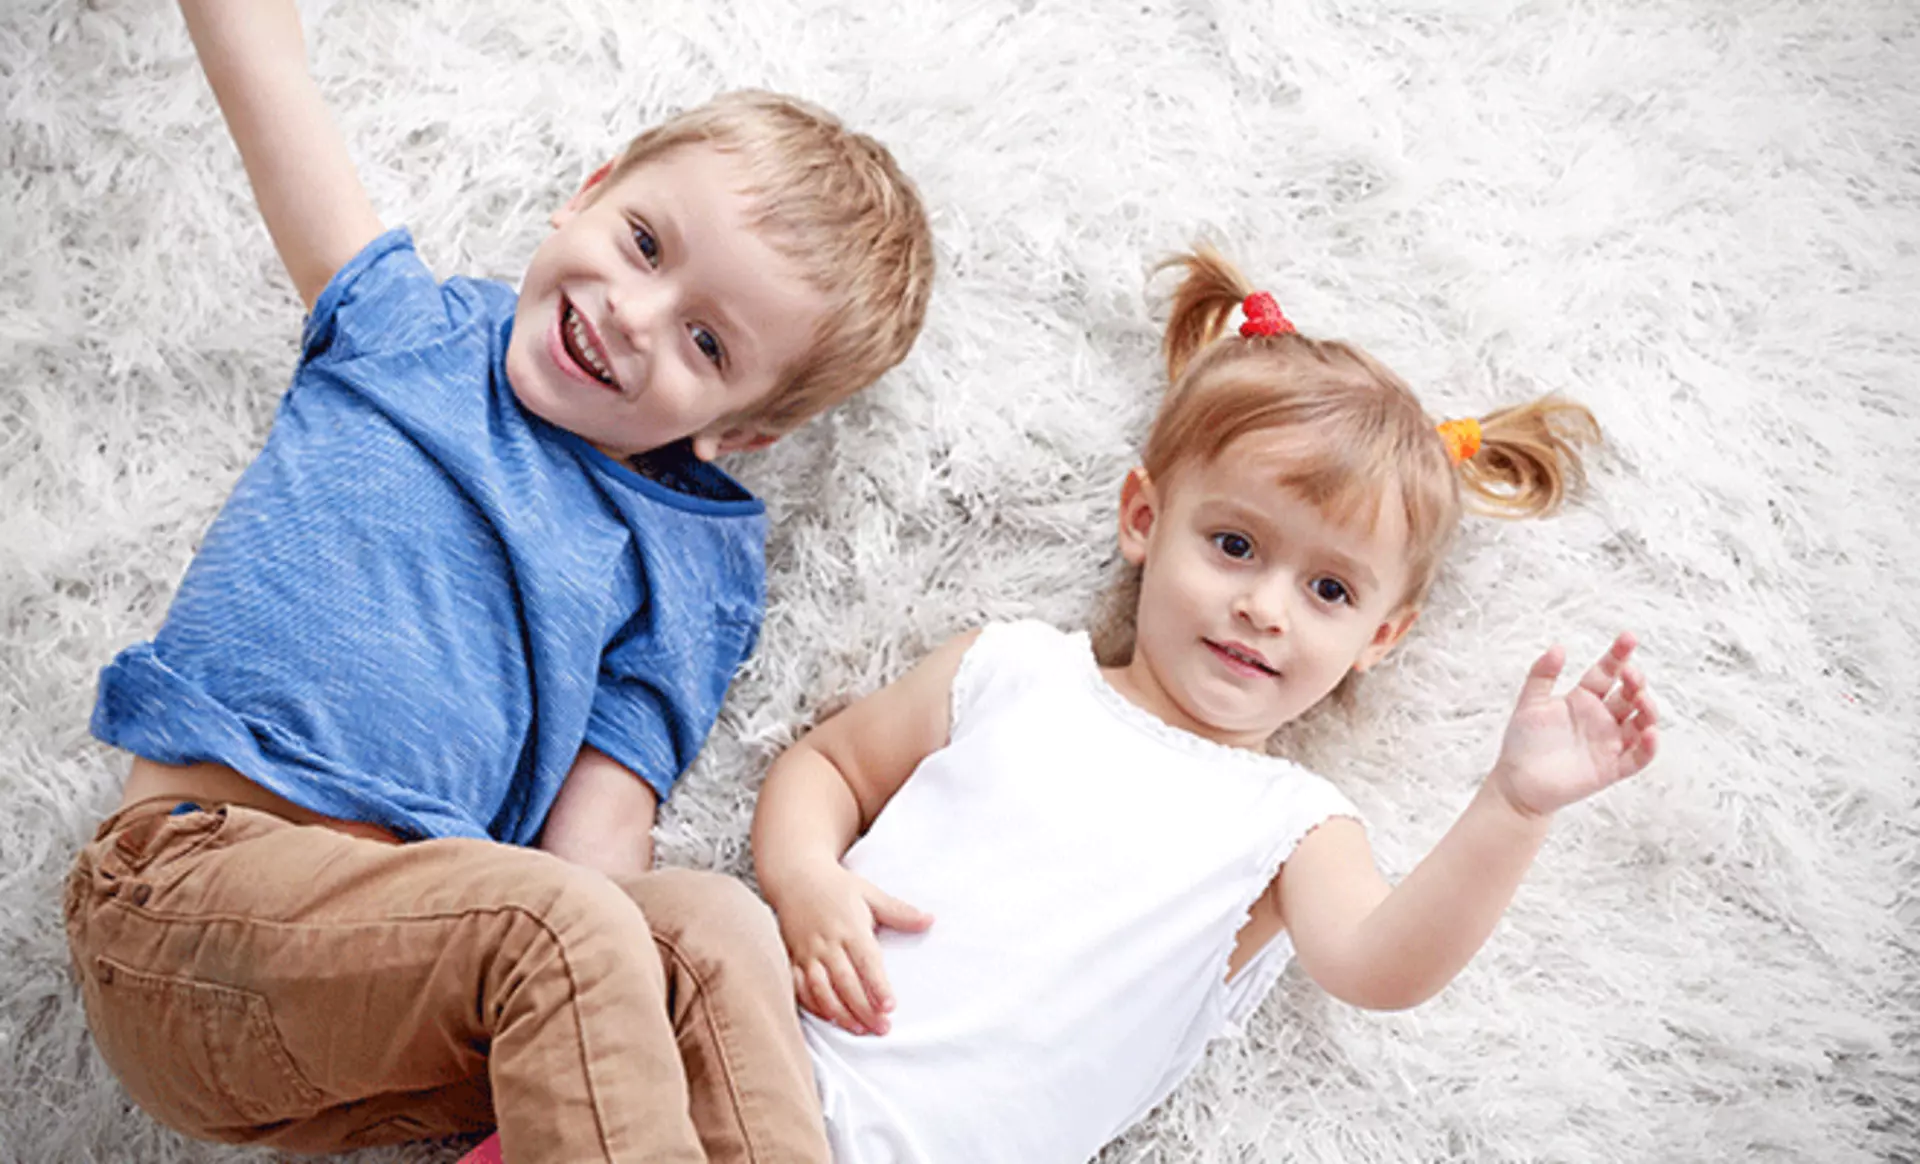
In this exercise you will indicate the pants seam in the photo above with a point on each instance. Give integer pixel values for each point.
(573, 1007)
(710, 1019)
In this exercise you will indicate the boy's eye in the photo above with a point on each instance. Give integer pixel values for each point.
(1332, 590)
(1233, 545)
(709, 345)
(646, 244)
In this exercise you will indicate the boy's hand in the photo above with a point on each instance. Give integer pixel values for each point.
(828, 922)
(1561, 750)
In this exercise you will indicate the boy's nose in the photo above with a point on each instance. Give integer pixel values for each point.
(636, 309)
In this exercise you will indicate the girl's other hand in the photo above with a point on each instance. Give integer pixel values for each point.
(1559, 750)
(828, 923)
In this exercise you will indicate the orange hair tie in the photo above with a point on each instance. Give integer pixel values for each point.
(1462, 437)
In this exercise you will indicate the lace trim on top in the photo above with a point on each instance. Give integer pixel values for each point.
(966, 679)
(1080, 646)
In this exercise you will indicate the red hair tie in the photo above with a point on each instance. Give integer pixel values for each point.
(1263, 316)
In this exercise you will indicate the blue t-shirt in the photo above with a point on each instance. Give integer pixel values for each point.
(421, 599)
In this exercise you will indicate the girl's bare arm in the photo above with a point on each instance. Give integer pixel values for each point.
(819, 796)
(1393, 948)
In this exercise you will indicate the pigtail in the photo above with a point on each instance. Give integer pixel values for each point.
(1529, 457)
(1207, 295)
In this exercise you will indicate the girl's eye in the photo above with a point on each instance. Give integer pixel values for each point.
(1332, 590)
(708, 345)
(646, 244)
(1233, 545)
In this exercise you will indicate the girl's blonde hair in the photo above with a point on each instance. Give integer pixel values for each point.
(1372, 438)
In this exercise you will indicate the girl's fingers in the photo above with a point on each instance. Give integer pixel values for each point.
(895, 914)
(1541, 676)
(831, 1008)
(1640, 754)
(803, 993)
(1600, 677)
(852, 991)
(1644, 712)
(1628, 696)
(873, 974)
(1619, 704)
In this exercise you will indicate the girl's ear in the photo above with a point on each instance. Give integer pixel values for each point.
(1139, 503)
(1385, 636)
(581, 197)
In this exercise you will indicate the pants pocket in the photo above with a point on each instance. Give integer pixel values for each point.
(205, 1058)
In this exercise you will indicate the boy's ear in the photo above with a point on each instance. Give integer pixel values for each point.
(1385, 636)
(744, 439)
(1139, 504)
(581, 197)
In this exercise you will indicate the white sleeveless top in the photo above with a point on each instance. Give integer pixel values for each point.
(1088, 868)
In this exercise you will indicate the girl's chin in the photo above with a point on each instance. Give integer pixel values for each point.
(1225, 723)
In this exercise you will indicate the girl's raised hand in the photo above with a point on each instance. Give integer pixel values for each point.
(828, 924)
(1561, 749)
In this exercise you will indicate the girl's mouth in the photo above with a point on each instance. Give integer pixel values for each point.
(583, 347)
(1241, 661)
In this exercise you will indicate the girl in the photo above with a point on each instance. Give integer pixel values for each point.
(1119, 869)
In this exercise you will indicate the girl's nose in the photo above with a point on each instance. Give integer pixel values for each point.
(1264, 607)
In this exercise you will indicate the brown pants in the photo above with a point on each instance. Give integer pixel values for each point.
(256, 981)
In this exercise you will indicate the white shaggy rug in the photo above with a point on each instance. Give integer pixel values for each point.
(1700, 217)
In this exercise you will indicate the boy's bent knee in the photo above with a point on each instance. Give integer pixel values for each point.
(707, 916)
(579, 909)
(583, 903)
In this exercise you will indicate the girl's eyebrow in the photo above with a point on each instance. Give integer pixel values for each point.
(1229, 508)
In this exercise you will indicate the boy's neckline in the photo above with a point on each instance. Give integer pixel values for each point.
(667, 469)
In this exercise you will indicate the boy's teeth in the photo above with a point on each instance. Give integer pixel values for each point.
(583, 346)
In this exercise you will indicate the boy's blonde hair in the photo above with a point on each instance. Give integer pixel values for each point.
(837, 204)
(1372, 439)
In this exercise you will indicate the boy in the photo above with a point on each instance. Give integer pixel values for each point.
(482, 585)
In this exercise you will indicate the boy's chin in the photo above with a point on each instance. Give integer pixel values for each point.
(556, 412)
(534, 397)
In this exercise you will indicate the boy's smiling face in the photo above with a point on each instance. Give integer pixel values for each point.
(655, 311)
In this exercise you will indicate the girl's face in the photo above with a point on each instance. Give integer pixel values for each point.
(1253, 604)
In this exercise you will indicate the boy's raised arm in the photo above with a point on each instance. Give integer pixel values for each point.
(303, 180)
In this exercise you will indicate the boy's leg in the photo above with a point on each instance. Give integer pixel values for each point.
(730, 994)
(256, 981)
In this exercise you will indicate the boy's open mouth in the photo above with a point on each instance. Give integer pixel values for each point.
(582, 345)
